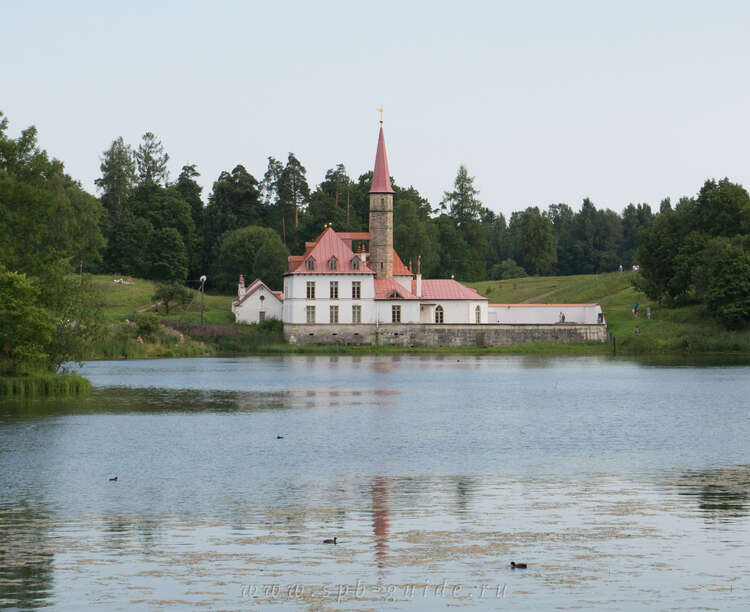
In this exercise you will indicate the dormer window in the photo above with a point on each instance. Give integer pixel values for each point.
(332, 263)
(310, 264)
(394, 295)
(355, 263)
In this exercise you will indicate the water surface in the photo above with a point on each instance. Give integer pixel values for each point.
(623, 486)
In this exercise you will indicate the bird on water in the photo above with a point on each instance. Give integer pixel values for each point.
(514, 565)
(329, 541)
(113, 479)
(279, 437)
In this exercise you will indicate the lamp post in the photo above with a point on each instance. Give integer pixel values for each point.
(203, 284)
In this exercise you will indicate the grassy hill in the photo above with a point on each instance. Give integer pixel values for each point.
(671, 330)
(126, 300)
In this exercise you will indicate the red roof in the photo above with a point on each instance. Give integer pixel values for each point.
(399, 269)
(254, 286)
(385, 287)
(381, 179)
(323, 250)
(448, 289)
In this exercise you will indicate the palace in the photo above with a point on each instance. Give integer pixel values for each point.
(353, 288)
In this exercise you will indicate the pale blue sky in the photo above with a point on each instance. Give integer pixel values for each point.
(544, 102)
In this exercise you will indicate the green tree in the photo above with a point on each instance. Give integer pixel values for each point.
(271, 261)
(127, 250)
(25, 328)
(168, 293)
(536, 241)
(635, 219)
(118, 175)
(462, 203)
(151, 160)
(563, 221)
(414, 235)
(723, 208)
(190, 192)
(247, 250)
(506, 269)
(162, 208)
(47, 220)
(294, 195)
(454, 252)
(168, 257)
(726, 280)
(234, 203)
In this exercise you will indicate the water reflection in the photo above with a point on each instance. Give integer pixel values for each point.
(722, 494)
(381, 487)
(26, 557)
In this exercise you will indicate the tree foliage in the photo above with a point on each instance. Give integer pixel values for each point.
(698, 252)
(51, 228)
(118, 175)
(250, 250)
(151, 160)
(25, 328)
(174, 292)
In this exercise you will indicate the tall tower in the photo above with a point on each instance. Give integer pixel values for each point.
(381, 214)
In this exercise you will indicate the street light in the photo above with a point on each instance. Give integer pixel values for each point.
(203, 284)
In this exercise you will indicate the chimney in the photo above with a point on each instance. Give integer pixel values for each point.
(241, 287)
(419, 276)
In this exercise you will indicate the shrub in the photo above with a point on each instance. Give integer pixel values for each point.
(147, 324)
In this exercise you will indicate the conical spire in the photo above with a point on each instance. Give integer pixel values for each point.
(381, 179)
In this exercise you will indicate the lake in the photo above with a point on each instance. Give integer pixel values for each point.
(622, 485)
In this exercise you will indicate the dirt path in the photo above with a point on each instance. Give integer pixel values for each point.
(146, 307)
(533, 300)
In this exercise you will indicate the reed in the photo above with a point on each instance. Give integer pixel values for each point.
(44, 384)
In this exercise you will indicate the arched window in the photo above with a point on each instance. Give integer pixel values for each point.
(478, 315)
(332, 263)
(439, 315)
(310, 264)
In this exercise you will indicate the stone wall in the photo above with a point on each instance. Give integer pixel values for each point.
(433, 336)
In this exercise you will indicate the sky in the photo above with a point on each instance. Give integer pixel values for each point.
(543, 102)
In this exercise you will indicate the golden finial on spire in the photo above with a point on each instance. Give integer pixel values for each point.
(380, 110)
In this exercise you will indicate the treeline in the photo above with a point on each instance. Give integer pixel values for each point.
(162, 230)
